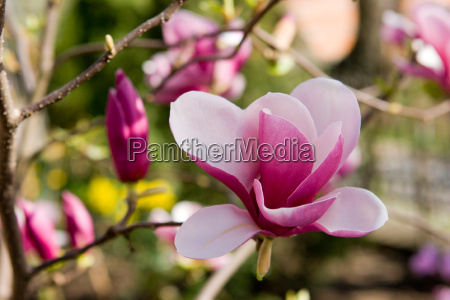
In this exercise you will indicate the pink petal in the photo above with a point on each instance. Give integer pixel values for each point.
(212, 121)
(165, 233)
(43, 235)
(309, 188)
(352, 163)
(185, 25)
(325, 143)
(396, 28)
(356, 212)
(214, 231)
(280, 105)
(223, 77)
(156, 69)
(236, 88)
(80, 225)
(415, 69)
(330, 101)
(284, 172)
(293, 216)
(433, 24)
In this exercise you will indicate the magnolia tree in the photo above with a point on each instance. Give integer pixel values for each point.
(282, 156)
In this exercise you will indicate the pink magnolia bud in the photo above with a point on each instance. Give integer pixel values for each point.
(127, 129)
(39, 231)
(285, 31)
(79, 222)
(352, 163)
(396, 28)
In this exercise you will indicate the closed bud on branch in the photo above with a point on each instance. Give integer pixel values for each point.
(127, 128)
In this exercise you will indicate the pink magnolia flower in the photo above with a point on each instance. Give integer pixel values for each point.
(220, 77)
(39, 231)
(278, 194)
(127, 129)
(79, 222)
(429, 33)
(425, 261)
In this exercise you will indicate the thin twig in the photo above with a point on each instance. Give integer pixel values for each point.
(217, 281)
(47, 49)
(19, 35)
(246, 31)
(420, 223)
(98, 65)
(110, 234)
(394, 108)
(100, 47)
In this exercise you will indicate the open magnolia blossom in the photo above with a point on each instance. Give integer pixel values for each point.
(429, 34)
(221, 77)
(278, 194)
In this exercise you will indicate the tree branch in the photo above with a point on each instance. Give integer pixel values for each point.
(217, 281)
(47, 49)
(98, 65)
(421, 224)
(7, 165)
(110, 234)
(99, 47)
(27, 73)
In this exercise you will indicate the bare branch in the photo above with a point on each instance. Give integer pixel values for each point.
(98, 65)
(47, 49)
(110, 234)
(217, 281)
(28, 75)
(100, 47)
(7, 165)
(420, 223)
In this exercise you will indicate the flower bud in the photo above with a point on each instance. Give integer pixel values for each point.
(396, 28)
(40, 231)
(285, 31)
(127, 129)
(79, 222)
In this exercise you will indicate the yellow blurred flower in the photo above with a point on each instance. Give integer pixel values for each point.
(164, 200)
(106, 196)
(31, 185)
(56, 179)
(54, 152)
